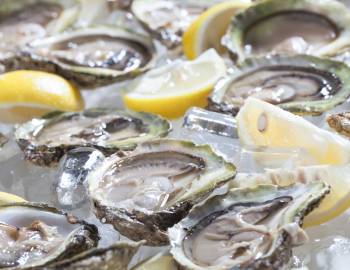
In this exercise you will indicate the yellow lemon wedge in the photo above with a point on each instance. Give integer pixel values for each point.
(171, 89)
(262, 124)
(334, 204)
(207, 30)
(160, 261)
(6, 198)
(25, 94)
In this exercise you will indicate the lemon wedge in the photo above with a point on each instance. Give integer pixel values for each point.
(25, 94)
(334, 204)
(160, 261)
(207, 30)
(6, 198)
(262, 124)
(172, 89)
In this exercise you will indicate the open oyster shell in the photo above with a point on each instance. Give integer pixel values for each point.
(317, 27)
(154, 187)
(168, 20)
(253, 228)
(89, 57)
(36, 235)
(115, 257)
(301, 84)
(24, 21)
(44, 141)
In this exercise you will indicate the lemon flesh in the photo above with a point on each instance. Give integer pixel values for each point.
(207, 30)
(172, 89)
(29, 93)
(262, 124)
(6, 198)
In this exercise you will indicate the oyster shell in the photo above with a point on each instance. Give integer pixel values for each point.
(252, 228)
(168, 20)
(154, 187)
(301, 84)
(89, 57)
(340, 122)
(115, 257)
(24, 21)
(36, 235)
(44, 141)
(317, 27)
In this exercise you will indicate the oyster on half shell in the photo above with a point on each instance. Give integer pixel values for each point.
(153, 187)
(317, 27)
(301, 84)
(253, 228)
(168, 20)
(24, 21)
(90, 57)
(44, 141)
(35, 235)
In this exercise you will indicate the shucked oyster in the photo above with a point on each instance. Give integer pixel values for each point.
(169, 19)
(34, 235)
(301, 84)
(317, 27)
(252, 228)
(44, 141)
(154, 187)
(89, 57)
(24, 21)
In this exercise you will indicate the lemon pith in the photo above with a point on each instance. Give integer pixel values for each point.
(207, 30)
(262, 124)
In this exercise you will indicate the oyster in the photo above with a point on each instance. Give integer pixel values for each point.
(44, 141)
(340, 122)
(168, 20)
(317, 27)
(115, 257)
(301, 84)
(24, 21)
(252, 228)
(35, 235)
(154, 187)
(89, 57)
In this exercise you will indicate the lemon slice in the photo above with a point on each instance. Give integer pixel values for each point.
(170, 90)
(334, 204)
(6, 198)
(24, 94)
(262, 124)
(208, 29)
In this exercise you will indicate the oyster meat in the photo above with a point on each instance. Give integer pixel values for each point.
(44, 141)
(24, 21)
(301, 84)
(340, 122)
(253, 228)
(154, 187)
(317, 27)
(89, 57)
(36, 235)
(168, 20)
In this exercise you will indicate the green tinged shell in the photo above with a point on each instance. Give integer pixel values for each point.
(291, 203)
(331, 77)
(335, 13)
(198, 171)
(48, 153)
